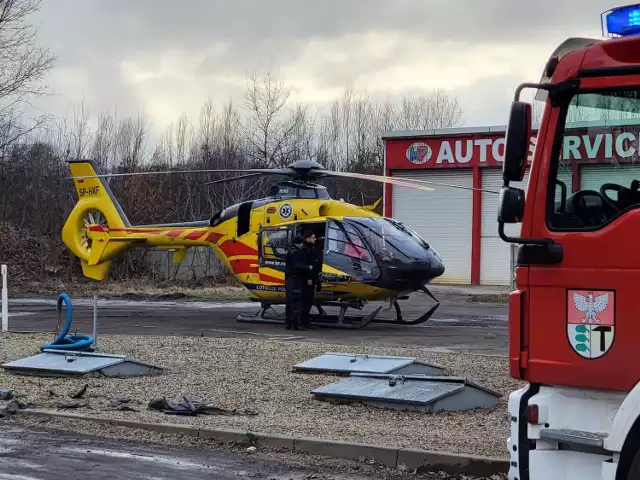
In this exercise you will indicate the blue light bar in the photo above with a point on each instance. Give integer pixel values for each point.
(621, 21)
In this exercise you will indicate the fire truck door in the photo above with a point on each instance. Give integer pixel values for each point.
(584, 311)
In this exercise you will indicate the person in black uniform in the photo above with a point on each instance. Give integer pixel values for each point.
(314, 285)
(298, 275)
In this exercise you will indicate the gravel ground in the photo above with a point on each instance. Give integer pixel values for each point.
(256, 375)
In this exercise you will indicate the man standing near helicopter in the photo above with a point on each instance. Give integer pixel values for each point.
(314, 283)
(299, 277)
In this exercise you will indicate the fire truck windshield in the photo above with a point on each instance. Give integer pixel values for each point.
(596, 169)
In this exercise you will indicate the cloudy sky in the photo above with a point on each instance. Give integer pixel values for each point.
(166, 57)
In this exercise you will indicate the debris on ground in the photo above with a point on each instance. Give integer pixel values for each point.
(9, 403)
(8, 409)
(191, 406)
(80, 393)
(6, 394)
(121, 405)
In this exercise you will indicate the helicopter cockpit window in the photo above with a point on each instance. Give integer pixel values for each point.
(346, 250)
(346, 241)
(416, 236)
(390, 242)
(275, 244)
(322, 193)
(306, 193)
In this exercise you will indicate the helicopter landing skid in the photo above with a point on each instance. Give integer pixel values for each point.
(321, 319)
(400, 321)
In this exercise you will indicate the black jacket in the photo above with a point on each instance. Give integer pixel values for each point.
(300, 264)
(317, 263)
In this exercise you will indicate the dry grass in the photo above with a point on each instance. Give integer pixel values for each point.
(256, 374)
(142, 289)
(207, 289)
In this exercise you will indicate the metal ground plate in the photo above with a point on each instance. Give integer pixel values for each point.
(337, 362)
(53, 362)
(417, 392)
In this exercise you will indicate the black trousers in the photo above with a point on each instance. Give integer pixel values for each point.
(293, 302)
(298, 303)
(307, 302)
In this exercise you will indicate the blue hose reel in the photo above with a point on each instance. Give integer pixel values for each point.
(64, 341)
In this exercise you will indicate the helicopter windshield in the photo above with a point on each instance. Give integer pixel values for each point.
(390, 240)
(346, 251)
(344, 239)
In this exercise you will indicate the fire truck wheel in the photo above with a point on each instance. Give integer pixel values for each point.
(634, 469)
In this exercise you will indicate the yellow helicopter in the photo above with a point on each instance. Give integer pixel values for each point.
(366, 257)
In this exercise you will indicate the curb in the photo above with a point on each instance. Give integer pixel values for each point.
(404, 458)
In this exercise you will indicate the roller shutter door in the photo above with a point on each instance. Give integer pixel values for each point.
(593, 176)
(564, 175)
(443, 217)
(495, 256)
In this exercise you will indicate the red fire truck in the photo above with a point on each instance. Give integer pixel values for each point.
(574, 316)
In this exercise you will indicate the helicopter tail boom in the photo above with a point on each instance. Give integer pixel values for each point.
(97, 229)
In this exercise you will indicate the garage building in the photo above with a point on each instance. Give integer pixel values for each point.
(461, 224)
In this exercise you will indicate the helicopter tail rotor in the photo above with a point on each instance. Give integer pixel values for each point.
(86, 230)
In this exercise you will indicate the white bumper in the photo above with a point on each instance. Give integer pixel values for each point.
(563, 408)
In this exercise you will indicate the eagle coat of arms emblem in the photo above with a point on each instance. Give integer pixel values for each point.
(591, 321)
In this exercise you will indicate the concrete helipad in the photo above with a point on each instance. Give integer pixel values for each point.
(456, 327)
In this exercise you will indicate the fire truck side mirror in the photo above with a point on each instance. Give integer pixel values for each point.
(518, 137)
(511, 205)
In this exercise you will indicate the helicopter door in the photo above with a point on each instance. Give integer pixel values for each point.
(273, 245)
(346, 255)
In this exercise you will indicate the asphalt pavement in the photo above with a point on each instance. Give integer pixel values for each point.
(457, 326)
(29, 454)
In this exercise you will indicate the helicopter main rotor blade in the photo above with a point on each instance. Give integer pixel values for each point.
(377, 178)
(449, 185)
(265, 171)
(231, 179)
(305, 173)
(404, 182)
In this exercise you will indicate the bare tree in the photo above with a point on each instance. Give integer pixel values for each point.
(422, 111)
(81, 135)
(269, 131)
(103, 143)
(23, 67)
